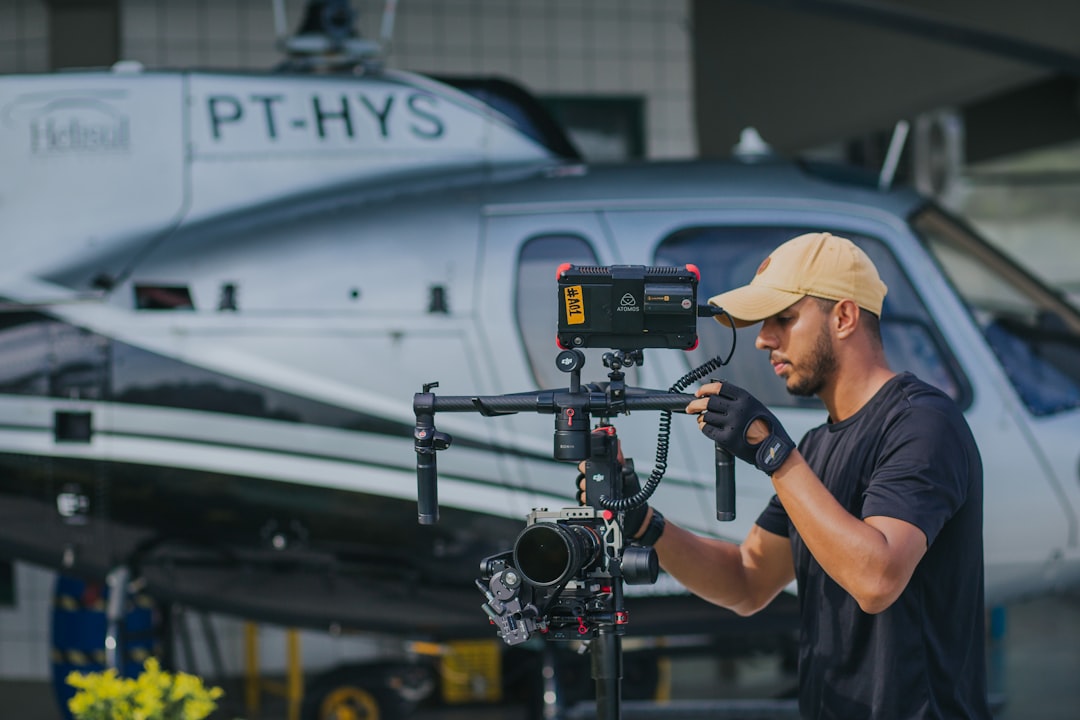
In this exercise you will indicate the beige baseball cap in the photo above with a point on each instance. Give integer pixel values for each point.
(818, 264)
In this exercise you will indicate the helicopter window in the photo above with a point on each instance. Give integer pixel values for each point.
(51, 359)
(1034, 331)
(729, 256)
(24, 342)
(163, 297)
(537, 307)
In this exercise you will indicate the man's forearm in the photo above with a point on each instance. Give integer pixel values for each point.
(741, 578)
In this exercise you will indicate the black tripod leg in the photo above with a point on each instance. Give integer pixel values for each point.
(606, 652)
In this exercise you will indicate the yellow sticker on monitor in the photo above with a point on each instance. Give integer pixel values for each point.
(575, 305)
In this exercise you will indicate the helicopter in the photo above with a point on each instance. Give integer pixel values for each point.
(222, 289)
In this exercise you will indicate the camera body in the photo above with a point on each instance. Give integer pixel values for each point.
(628, 307)
(564, 575)
(560, 546)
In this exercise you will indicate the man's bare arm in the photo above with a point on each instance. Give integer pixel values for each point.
(743, 578)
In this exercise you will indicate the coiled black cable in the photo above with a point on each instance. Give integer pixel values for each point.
(663, 434)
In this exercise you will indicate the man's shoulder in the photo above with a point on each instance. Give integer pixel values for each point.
(924, 411)
(901, 402)
(911, 391)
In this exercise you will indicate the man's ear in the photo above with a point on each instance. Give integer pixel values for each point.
(844, 318)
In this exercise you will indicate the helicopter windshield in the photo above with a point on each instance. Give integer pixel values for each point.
(1033, 330)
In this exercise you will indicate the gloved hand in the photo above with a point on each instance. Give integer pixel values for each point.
(634, 518)
(727, 418)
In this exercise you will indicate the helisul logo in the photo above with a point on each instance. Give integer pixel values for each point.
(628, 304)
(70, 123)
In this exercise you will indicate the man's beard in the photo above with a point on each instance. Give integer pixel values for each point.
(819, 368)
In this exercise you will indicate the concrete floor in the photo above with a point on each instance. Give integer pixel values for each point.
(1033, 666)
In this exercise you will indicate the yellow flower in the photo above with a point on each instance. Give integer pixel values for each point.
(81, 704)
(155, 695)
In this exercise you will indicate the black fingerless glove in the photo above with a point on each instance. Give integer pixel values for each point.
(729, 415)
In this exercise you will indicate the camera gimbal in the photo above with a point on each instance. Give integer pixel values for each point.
(564, 577)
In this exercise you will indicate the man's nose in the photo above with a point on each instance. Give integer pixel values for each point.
(765, 340)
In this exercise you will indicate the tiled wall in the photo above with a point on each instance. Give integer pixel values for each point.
(24, 46)
(563, 47)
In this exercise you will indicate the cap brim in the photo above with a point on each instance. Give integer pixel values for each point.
(752, 303)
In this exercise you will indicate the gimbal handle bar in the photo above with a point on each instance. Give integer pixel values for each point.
(595, 401)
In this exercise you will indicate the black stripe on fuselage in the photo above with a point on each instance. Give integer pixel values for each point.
(59, 360)
(352, 460)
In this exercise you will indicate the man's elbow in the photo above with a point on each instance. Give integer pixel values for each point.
(751, 605)
(874, 605)
(744, 609)
(877, 597)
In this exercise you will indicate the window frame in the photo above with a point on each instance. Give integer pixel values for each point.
(523, 335)
(1006, 268)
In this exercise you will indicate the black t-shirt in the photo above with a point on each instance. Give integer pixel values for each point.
(907, 454)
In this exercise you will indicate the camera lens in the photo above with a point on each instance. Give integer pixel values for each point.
(549, 554)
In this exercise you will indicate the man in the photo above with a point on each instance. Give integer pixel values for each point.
(877, 513)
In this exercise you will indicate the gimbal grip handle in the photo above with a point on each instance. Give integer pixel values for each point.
(427, 489)
(427, 441)
(725, 485)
